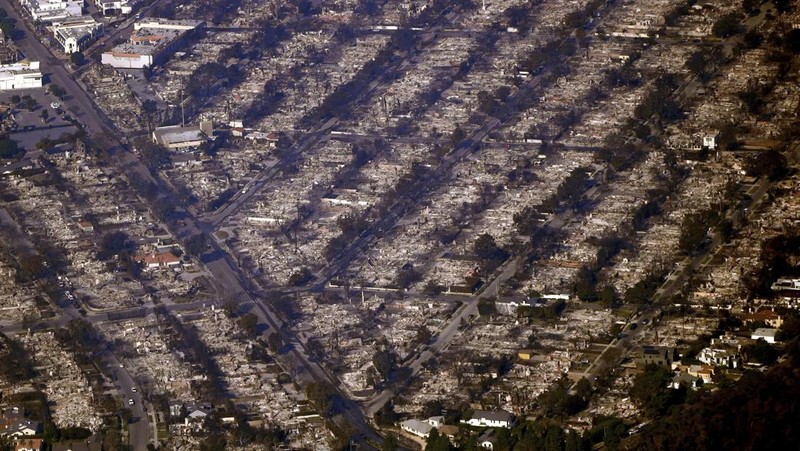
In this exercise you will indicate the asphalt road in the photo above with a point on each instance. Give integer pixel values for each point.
(139, 426)
(469, 310)
(77, 102)
(210, 222)
(647, 318)
(293, 355)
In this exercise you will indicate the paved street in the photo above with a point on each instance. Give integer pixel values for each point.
(77, 102)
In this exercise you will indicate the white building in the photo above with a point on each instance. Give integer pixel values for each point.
(710, 140)
(106, 7)
(724, 357)
(51, 10)
(21, 75)
(422, 428)
(177, 137)
(76, 34)
(152, 42)
(765, 333)
(419, 428)
(491, 419)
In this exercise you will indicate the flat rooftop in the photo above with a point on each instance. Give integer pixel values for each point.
(159, 23)
(152, 36)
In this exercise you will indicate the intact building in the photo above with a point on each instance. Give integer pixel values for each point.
(22, 75)
(177, 137)
(493, 419)
(76, 34)
(657, 355)
(48, 11)
(153, 41)
(110, 8)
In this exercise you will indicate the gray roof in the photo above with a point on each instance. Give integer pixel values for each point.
(417, 425)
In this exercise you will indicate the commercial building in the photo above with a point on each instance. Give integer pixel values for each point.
(76, 34)
(48, 11)
(152, 42)
(111, 8)
(178, 137)
(22, 75)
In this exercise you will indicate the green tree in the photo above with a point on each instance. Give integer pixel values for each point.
(554, 438)
(423, 335)
(783, 5)
(274, 342)
(315, 348)
(694, 231)
(29, 103)
(726, 25)
(51, 433)
(390, 443)
(490, 254)
(699, 66)
(8, 27)
(249, 324)
(321, 395)
(487, 307)
(153, 155)
(771, 164)
(432, 408)
(386, 416)
(15, 362)
(114, 243)
(755, 413)
(651, 390)
(384, 362)
(56, 90)
(215, 441)
(583, 389)
(9, 148)
(150, 113)
(607, 296)
(195, 245)
(457, 136)
(728, 138)
(45, 143)
(77, 59)
(753, 39)
(749, 5)
(761, 352)
(438, 442)
(300, 277)
(573, 442)
(486, 247)
(571, 190)
(585, 286)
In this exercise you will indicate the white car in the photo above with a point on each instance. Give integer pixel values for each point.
(130, 402)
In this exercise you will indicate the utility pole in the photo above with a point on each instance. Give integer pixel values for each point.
(183, 111)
